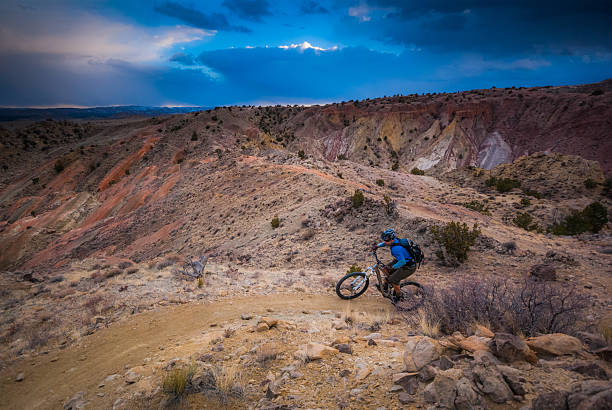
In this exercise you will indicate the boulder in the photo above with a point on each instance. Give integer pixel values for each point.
(427, 373)
(556, 400)
(511, 348)
(557, 344)
(491, 382)
(543, 271)
(406, 398)
(483, 331)
(77, 402)
(513, 379)
(316, 351)
(344, 348)
(589, 369)
(341, 340)
(420, 351)
(262, 327)
(485, 357)
(592, 341)
(470, 344)
(441, 391)
(467, 397)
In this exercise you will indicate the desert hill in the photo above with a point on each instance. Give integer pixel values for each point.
(96, 215)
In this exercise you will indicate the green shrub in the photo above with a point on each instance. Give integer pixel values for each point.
(395, 166)
(478, 207)
(525, 202)
(357, 199)
(194, 136)
(491, 181)
(506, 184)
(59, 166)
(200, 282)
(275, 222)
(380, 182)
(590, 184)
(339, 174)
(531, 192)
(354, 268)
(301, 154)
(35, 180)
(176, 380)
(342, 157)
(592, 218)
(416, 171)
(525, 221)
(455, 238)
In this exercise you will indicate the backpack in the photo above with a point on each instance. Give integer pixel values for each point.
(413, 250)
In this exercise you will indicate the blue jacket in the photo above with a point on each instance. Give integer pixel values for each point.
(399, 252)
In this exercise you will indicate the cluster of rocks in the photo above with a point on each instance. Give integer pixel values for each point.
(490, 370)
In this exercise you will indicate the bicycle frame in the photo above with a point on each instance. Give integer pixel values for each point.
(369, 271)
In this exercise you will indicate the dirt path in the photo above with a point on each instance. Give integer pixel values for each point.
(50, 380)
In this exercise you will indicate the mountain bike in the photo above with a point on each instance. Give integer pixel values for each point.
(355, 284)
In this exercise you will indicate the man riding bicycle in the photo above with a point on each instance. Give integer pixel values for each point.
(403, 265)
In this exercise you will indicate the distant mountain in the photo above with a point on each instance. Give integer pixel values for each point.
(12, 114)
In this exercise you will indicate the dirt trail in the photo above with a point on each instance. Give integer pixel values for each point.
(50, 380)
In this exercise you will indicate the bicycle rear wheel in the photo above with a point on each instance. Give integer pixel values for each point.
(412, 297)
(352, 285)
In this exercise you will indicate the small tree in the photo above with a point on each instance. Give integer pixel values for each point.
(416, 171)
(380, 182)
(455, 240)
(275, 222)
(301, 154)
(357, 199)
(525, 221)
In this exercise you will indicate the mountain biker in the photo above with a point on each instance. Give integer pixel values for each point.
(403, 265)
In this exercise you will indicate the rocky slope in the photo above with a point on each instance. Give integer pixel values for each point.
(96, 216)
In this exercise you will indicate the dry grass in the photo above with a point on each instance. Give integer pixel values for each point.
(266, 353)
(176, 380)
(229, 382)
(349, 316)
(428, 327)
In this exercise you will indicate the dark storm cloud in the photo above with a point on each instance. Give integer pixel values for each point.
(252, 10)
(489, 26)
(182, 58)
(312, 7)
(195, 18)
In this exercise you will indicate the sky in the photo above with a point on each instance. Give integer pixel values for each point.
(227, 52)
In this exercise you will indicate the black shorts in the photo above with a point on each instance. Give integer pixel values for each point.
(402, 273)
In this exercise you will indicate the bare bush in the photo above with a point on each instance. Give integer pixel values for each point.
(529, 308)
(266, 353)
(125, 264)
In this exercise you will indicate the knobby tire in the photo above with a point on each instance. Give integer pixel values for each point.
(346, 289)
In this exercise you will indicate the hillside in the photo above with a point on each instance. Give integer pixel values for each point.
(96, 215)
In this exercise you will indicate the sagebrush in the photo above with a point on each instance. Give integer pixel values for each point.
(455, 240)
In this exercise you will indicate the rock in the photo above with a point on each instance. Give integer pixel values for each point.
(513, 379)
(430, 395)
(605, 353)
(556, 400)
(406, 398)
(395, 388)
(474, 343)
(373, 336)
(316, 351)
(592, 341)
(363, 373)
(427, 373)
(339, 325)
(446, 363)
(398, 378)
(467, 397)
(445, 391)
(420, 351)
(268, 321)
(511, 348)
(77, 402)
(482, 331)
(371, 342)
(386, 342)
(300, 355)
(246, 316)
(262, 327)
(132, 377)
(218, 347)
(589, 369)
(556, 344)
(543, 272)
(344, 348)
(294, 374)
(341, 340)
(19, 377)
(490, 382)
(485, 357)
(355, 392)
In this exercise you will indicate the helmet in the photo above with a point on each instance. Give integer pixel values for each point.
(387, 235)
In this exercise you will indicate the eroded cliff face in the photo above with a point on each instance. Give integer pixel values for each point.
(443, 132)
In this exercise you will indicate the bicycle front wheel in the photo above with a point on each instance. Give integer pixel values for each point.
(352, 285)
(413, 296)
